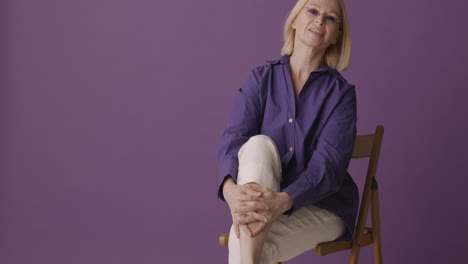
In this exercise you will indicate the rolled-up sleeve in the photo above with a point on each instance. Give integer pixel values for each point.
(328, 165)
(244, 122)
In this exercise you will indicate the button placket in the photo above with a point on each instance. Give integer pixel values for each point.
(291, 105)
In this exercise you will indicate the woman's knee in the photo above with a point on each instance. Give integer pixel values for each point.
(260, 162)
(261, 144)
(261, 139)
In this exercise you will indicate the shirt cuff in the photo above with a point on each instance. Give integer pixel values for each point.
(289, 212)
(220, 188)
(228, 169)
(299, 190)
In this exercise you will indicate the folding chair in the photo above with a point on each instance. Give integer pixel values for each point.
(366, 146)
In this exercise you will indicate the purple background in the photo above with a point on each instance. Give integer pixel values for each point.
(111, 110)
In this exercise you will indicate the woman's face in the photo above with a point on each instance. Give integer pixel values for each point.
(318, 24)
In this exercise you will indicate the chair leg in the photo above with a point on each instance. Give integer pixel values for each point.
(376, 235)
(355, 250)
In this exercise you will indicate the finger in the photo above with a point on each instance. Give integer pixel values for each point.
(244, 219)
(250, 189)
(259, 188)
(247, 197)
(252, 186)
(246, 230)
(259, 229)
(247, 190)
(258, 216)
(255, 186)
(250, 206)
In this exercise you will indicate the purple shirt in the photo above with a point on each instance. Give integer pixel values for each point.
(314, 132)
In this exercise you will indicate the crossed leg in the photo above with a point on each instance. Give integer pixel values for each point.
(287, 236)
(259, 162)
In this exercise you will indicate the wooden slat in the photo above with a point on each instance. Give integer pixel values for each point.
(330, 247)
(375, 211)
(363, 146)
(326, 248)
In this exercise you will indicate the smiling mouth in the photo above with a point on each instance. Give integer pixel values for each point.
(316, 31)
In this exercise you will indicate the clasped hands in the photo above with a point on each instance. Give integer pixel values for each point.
(251, 202)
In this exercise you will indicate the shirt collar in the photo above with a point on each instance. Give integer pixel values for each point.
(282, 60)
(285, 59)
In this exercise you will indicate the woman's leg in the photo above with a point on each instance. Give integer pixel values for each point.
(300, 232)
(251, 247)
(259, 162)
(288, 236)
(291, 236)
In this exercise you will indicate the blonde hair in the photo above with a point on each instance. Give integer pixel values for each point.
(337, 55)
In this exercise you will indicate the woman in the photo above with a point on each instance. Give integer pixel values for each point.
(284, 155)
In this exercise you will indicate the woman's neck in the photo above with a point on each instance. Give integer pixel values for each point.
(304, 61)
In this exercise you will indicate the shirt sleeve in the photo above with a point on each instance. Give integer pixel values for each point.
(328, 165)
(244, 122)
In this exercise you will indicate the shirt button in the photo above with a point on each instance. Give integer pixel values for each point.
(290, 149)
(290, 120)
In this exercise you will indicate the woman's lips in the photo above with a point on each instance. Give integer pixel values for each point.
(316, 31)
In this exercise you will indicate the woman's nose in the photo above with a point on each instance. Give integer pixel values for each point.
(319, 20)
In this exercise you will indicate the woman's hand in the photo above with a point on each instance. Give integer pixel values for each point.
(244, 202)
(277, 202)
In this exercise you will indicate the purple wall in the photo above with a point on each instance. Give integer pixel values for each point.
(111, 110)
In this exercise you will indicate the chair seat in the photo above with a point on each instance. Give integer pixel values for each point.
(326, 248)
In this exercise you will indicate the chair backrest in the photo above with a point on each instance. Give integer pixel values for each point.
(367, 146)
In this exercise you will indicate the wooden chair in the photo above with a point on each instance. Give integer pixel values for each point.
(366, 146)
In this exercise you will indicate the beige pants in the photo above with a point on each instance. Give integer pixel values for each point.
(288, 237)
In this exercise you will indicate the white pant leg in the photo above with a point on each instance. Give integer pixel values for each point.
(259, 162)
(291, 236)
